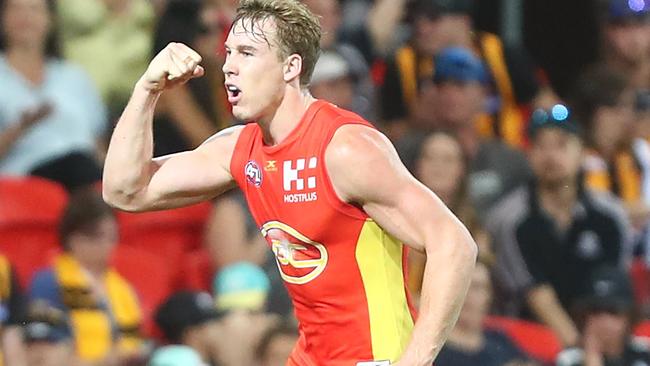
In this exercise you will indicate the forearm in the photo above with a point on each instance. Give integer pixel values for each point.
(548, 310)
(383, 18)
(128, 167)
(447, 275)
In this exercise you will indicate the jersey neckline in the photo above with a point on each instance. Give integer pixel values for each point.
(305, 120)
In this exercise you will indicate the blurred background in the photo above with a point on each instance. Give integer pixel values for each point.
(529, 119)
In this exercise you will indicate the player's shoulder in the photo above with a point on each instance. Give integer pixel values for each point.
(229, 134)
(355, 148)
(332, 113)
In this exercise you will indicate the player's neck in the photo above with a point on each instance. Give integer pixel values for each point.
(277, 127)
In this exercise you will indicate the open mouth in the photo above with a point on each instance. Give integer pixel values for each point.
(234, 93)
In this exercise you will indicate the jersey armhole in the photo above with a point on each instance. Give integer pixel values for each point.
(332, 197)
(240, 153)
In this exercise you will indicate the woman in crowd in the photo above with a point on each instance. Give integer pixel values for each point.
(193, 112)
(442, 152)
(51, 116)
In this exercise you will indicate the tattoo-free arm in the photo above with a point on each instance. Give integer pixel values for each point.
(365, 169)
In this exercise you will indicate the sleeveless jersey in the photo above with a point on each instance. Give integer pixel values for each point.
(344, 273)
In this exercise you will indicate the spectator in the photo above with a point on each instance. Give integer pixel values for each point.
(191, 113)
(469, 342)
(331, 41)
(276, 344)
(373, 33)
(641, 148)
(12, 305)
(50, 114)
(242, 290)
(442, 152)
(48, 337)
(642, 107)
(191, 319)
(102, 306)
(454, 103)
(551, 234)
(438, 24)
(176, 356)
(333, 81)
(604, 104)
(606, 317)
(94, 31)
(241, 286)
(626, 44)
(233, 236)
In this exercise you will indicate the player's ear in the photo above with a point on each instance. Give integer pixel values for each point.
(293, 67)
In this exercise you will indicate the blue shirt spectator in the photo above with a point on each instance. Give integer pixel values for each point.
(76, 121)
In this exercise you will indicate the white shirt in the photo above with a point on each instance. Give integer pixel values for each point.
(78, 117)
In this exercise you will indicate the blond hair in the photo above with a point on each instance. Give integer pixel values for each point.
(298, 30)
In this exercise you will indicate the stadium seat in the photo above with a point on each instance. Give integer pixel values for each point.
(170, 232)
(151, 277)
(535, 339)
(642, 329)
(30, 209)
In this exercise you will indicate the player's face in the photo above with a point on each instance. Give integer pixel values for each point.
(254, 72)
(25, 22)
(555, 156)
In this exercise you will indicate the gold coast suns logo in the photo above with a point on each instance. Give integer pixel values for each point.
(300, 259)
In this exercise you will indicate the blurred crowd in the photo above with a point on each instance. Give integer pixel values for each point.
(539, 144)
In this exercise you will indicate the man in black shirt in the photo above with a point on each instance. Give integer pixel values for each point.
(604, 312)
(551, 234)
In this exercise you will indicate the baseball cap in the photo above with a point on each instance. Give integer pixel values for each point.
(459, 64)
(608, 287)
(46, 323)
(176, 356)
(183, 310)
(436, 8)
(557, 116)
(622, 10)
(242, 286)
(330, 66)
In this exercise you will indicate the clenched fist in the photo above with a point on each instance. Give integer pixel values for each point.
(174, 65)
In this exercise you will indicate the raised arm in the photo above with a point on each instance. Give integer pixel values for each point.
(133, 179)
(365, 169)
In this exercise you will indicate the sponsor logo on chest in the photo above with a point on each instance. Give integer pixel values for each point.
(299, 180)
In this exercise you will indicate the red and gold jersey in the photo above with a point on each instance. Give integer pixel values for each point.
(344, 273)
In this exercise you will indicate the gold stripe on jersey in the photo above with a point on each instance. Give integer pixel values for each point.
(379, 257)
